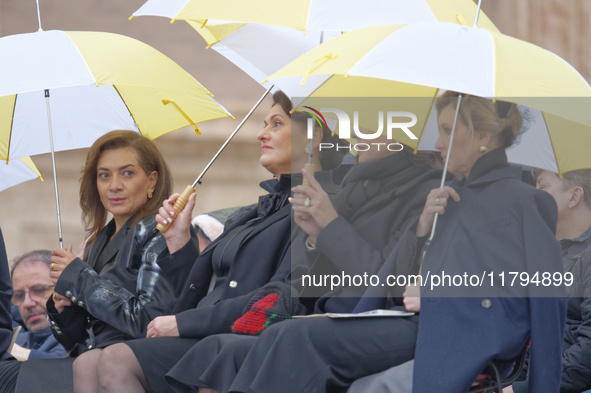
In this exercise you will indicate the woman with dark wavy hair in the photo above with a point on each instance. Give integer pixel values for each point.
(113, 293)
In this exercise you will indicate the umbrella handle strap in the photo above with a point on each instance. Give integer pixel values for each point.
(197, 130)
(324, 58)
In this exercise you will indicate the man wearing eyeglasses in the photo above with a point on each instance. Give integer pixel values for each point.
(32, 286)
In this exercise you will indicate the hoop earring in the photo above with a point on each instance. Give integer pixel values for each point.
(150, 194)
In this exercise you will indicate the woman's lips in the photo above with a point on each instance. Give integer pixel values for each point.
(116, 201)
(266, 147)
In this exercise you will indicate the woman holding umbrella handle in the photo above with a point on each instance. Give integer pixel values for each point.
(489, 221)
(120, 286)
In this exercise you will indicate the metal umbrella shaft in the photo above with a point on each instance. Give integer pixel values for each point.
(451, 139)
(57, 197)
(444, 175)
(182, 200)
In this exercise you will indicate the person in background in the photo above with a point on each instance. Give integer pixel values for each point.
(572, 194)
(32, 287)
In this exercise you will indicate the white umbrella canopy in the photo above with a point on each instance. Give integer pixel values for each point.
(17, 171)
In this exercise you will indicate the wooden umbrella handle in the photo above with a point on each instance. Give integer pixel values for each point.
(310, 169)
(179, 205)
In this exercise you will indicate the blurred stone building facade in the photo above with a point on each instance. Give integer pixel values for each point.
(27, 211)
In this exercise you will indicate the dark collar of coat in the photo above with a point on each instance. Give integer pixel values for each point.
(105, 246)
(287, 181)
(489, 168)
(581, 239)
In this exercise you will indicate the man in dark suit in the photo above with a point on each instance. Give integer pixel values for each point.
(32, 287)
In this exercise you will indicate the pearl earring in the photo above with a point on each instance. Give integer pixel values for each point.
(482, 149)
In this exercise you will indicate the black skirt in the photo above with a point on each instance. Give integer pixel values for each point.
(211, 363)
(158, 355)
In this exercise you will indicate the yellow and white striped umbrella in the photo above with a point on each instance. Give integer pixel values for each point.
(418, 60)
(96, 82)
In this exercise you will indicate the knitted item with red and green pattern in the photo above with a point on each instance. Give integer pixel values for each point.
(272, 303)
(255, 320)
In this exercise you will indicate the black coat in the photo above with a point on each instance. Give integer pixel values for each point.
(5, 302)
(252, 251)
(261, 256)
(118, 303)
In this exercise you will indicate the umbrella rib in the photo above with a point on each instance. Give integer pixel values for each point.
(553, 148)
(11, 125)
(126, 107)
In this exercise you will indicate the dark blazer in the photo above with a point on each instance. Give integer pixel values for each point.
(263, 255)
(42, 344)
(103, 250)
(500, 225)
(118, 303)
(5, 302)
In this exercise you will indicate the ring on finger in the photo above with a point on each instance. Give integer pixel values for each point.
(437, 202)
(307, 202)
(51, 265)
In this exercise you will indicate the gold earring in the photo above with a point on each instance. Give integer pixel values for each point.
(150, 194)
(482, 149)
